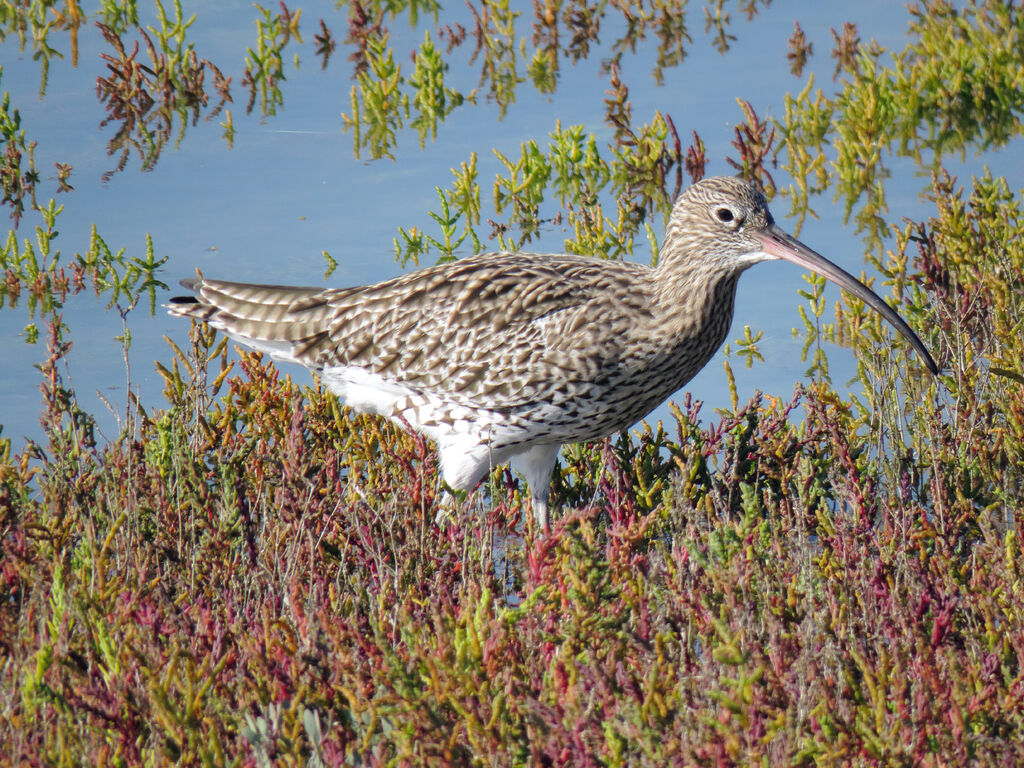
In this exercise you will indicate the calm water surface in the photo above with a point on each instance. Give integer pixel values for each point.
(291, 188)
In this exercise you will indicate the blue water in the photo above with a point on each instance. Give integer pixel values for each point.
(290, 188)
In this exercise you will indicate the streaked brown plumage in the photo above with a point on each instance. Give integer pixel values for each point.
(509, 355)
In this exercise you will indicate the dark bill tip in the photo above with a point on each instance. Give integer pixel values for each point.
(778, 243)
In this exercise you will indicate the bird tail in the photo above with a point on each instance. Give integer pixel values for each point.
(283, 321)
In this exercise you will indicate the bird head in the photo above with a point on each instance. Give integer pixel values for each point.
(722, 225)
(715, 224)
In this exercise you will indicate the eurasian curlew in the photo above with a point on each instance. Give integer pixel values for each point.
(507, 356)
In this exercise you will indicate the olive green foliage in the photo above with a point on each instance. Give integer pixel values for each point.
(252, 574)
(955, 87)
(264, 67)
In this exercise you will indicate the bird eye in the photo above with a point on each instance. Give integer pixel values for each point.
(724, 215)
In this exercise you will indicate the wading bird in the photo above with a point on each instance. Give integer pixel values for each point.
(507, 356)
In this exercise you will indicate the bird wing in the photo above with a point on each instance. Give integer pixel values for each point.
(500, 330)
(504, 329)
(283, 321)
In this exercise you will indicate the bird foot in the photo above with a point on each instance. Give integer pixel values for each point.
(541, 514)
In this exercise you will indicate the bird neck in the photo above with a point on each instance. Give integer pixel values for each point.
(695, 300)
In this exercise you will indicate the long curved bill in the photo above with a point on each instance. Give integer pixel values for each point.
(778, 243)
